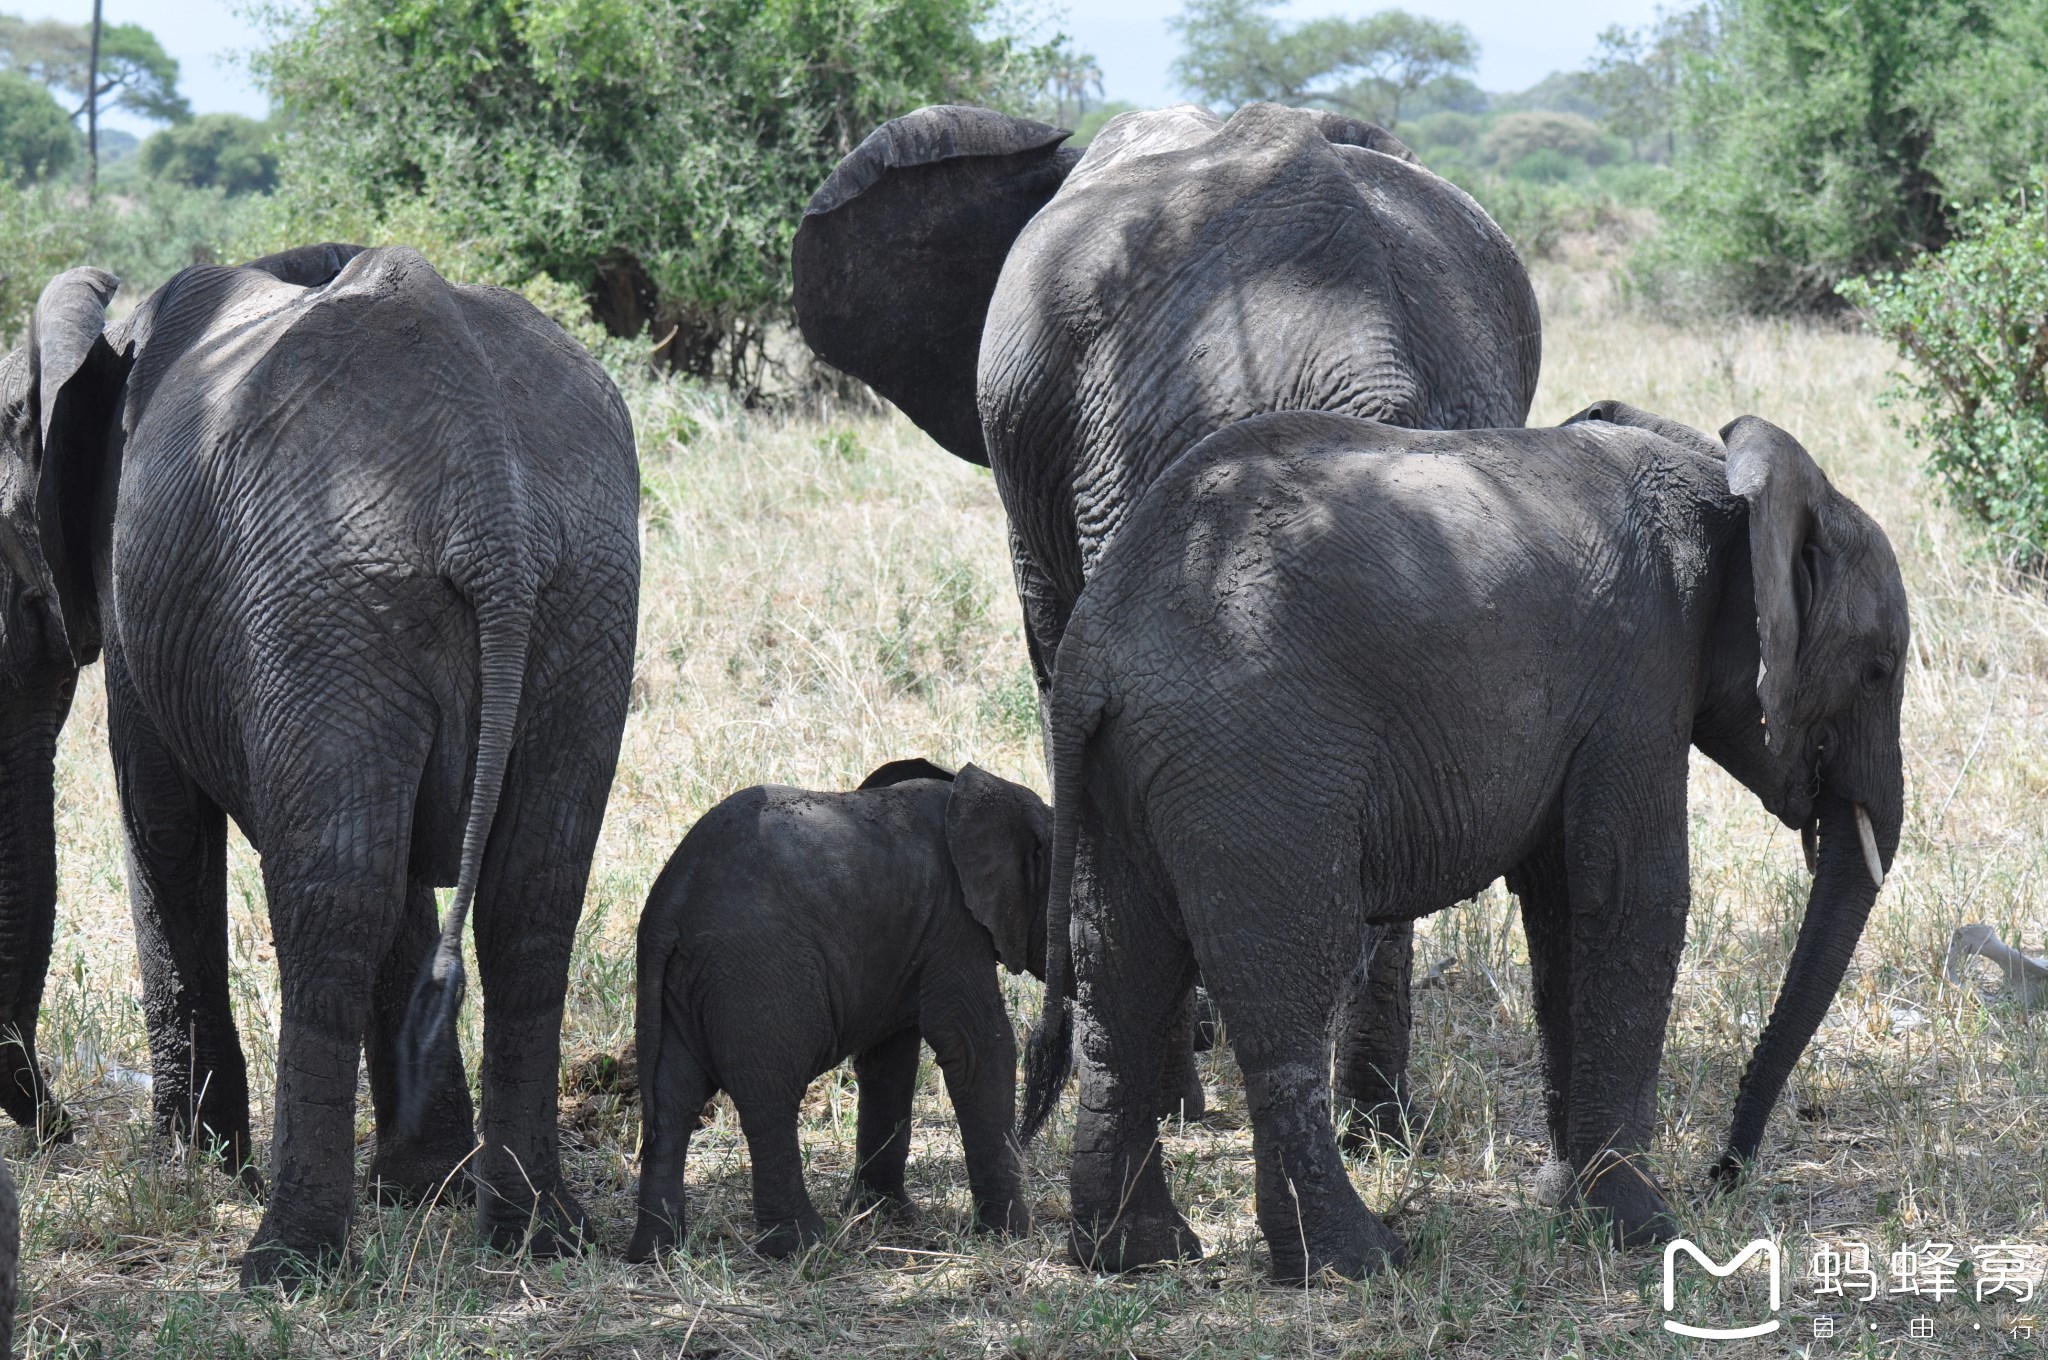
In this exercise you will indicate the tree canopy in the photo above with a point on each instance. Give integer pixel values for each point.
(657, 153)
(37, 141)
(134, 69)
(215, 151)
(1237, 51)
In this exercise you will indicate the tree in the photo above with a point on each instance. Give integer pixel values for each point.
(1635, 75)
(1074, 76)
(215, 151)
(1236, 51)
(133, 67)
(37, 141)
(656, 154)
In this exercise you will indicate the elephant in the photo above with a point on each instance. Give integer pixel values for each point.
(792, 930)
(359, 548)
(1075, 321)
(10, 1258)
(1334, 674)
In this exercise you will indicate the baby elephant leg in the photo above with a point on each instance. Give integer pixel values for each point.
(887, 1074)
(783, 1211)
(672, 1100)
(977, 1052)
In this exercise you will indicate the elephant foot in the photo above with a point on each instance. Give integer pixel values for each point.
(896, 1206)
(53, 1125)
(273, 1261)
(1727, 1173)
(1633, 1202)
(1011, 1217)
(655, 1236)
(1190, 1103)
(552, 1224)
(1391, 1121)
(787, 1238)
(1366, 1247)
(409, 1173)
(1133, 1241)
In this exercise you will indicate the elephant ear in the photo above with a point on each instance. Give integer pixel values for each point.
(74, 375)
(307, 266)
(995, 831)
(1611, 412)
(1344, 130)
(898, 254)
(1785, 490)
(902, 772)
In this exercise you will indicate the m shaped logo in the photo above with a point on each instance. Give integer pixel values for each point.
(1762, 1246)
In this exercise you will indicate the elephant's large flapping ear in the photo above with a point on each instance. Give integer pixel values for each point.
(997, 832)
(74, 375)
(1611, 412)
(898, 254)
(1344, 130)
(308, 266)
(1785, 489)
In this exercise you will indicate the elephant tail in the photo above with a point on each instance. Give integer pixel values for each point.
(504, 600)
(1077, 704)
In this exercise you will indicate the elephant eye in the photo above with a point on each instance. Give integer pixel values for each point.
(1877, 673)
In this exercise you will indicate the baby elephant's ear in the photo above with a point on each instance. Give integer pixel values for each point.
(994, 842)
(902, 771)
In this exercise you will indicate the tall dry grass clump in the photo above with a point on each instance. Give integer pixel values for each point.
(827, 590)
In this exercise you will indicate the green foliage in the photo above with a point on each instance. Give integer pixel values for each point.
(655, 153)
(1634, 77)
(134, 69)
(1973, 320)
(1236, 51)
(1816, 142)
(215, 151)
(40, 236)
(36, 139)
(1567, 138)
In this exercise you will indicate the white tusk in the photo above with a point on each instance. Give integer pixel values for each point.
(1809, 841)
(1869, 839)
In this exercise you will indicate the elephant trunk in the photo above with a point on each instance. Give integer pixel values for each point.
(30, 719)
(1845, 886)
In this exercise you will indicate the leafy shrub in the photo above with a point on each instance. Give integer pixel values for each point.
(37, 141)
(40, 235)
(1515, 137)
(656, 154)
(215, 151)
(1546, 165)
(1973, 320)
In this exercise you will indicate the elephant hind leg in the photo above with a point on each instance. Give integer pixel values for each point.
(1132, 969)
(887, 1074)
(671, 1102)
(432, 1165)
(1371, 1058)
(1275, 974)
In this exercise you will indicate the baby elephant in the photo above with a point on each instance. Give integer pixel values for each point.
(791, 930)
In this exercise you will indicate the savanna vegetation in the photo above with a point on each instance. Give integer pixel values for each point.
(1713, 207)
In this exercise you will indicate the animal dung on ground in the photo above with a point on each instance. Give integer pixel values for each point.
(2025, 978)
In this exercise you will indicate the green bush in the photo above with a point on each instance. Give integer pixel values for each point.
(37, 141)
(215, 151)
(40, 235)
(1515, 137)
(1973, 321)
(654, 154)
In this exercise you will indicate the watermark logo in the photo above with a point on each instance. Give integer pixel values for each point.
(1762, 1246)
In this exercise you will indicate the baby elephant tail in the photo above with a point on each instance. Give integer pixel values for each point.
(504, 610)
(1077, 707)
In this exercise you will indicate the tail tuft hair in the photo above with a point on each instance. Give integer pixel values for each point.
(429, 1026)
(1048, 1061)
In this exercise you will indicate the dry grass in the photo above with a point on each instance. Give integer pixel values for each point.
(825, 592)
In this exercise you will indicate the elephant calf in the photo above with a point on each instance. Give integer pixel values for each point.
(791, 930)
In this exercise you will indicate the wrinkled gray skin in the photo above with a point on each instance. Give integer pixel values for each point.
(1077, 321)
(792, 930)
(10, 1259)
(1333, 675)
(354, 542)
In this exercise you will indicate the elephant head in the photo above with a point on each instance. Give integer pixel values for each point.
(58, 389)
(1802, 698)
(998, 834)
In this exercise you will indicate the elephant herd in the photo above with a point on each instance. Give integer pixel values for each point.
(1325, 641)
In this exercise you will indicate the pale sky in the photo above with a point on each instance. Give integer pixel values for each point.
(1520, 41)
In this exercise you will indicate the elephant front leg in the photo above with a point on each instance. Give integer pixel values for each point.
(969, 1028)
(1129, 972)
(430, 1165)
(178, 897)
(1628, 900)
(887, 1074)
(1371, 1057)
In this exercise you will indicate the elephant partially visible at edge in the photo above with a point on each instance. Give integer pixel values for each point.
(1333, 675)
(1076, 321)
(360, 549)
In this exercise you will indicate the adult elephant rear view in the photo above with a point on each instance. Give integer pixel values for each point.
(1076, 321)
